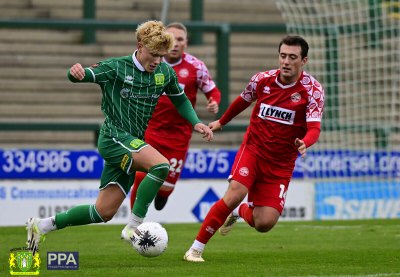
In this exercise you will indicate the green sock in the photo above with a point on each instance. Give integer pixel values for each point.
(148, 189)
(79, 215)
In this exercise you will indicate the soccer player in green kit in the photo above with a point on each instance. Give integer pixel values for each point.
(131, 86)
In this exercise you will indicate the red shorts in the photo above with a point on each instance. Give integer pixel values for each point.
(259, 176)
(176, 159)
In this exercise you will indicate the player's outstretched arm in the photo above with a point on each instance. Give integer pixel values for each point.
(235, 108)
(204, 130)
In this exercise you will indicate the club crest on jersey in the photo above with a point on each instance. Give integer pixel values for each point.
(244, 171)
(276, 114)
(183, 73)
(159, 78)
(295, 97)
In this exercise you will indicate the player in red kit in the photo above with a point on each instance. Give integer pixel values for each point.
(285, 121)
(167, 131)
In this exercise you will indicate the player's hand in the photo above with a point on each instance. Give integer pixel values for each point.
(77, 71)
(215, 125)
(204, 130)
(301, 147)
(212, 106)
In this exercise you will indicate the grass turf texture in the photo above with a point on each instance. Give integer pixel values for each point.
(318, 248)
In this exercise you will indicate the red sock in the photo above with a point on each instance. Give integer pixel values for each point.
(213, 221)
(165, 193)
(246, 213)
(138, 179)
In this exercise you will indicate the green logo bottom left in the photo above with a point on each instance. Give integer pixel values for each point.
(23, 262)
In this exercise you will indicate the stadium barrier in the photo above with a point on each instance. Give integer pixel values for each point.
(222, 31)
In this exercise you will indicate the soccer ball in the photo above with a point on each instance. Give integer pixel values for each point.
(150, 239)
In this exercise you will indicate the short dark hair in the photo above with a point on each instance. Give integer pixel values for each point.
(177, 25)
(295, 41)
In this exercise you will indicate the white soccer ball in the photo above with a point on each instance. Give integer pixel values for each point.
(150, 239)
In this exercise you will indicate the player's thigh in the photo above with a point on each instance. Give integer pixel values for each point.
(268, 190)
(114, 176)
(129, 153)
(146, 158)
(244, 168)
(242, 177)
(117, 154)
(269, 193)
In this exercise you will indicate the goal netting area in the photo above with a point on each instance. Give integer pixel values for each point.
(355, 54)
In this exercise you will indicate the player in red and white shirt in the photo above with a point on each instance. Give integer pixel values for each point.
(285, 121)
(167, 130)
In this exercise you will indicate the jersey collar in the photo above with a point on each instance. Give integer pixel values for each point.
(174, 64)
(286, 86)
(136, 62)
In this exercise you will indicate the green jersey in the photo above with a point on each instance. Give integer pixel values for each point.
(130, 93)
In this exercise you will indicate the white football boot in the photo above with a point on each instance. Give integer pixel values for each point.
(127, 234)
(35, 236)
(193, 255)
(228, 225)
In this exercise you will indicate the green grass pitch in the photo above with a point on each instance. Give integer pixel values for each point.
(317, 248)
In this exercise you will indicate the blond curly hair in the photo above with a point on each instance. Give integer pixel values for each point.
(154, 36)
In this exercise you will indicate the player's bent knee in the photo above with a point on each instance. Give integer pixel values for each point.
(160, 170)
(107, 216)
(264, 226)
(233, 199)
(95, 214)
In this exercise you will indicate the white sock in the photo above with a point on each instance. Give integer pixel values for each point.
(134, 221)
(198, 245)
(47, 224)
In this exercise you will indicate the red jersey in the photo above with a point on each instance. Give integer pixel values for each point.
(280, 115)
(166, 123)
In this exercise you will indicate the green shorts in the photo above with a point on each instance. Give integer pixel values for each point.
(117, 155)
